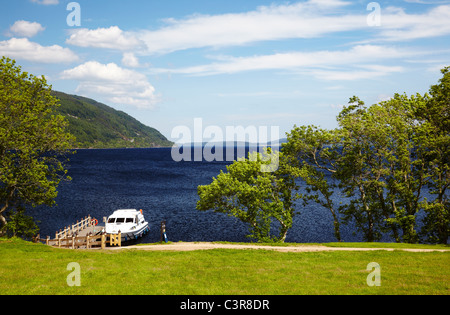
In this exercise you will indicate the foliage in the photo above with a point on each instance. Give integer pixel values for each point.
(21, 225)
(310, 150)
(254, 196)
(96, 125)
(33, 141)
(435, 117)
(384, 158)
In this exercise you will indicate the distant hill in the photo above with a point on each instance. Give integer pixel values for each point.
(276, 143)
(96, 125)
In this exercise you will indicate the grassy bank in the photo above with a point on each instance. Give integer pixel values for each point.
(27, 268)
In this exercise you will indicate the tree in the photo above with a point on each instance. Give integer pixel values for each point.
(434, 116)
(408, 176)
(258, 198)
(33, 141)
(355, 169)
(385, 158)
(21, 225)
(312, 152)
(375, 167)
(391, 155)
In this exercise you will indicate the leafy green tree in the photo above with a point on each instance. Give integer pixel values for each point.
(357, 169)
(434, 116)
(384, 158)
(21, 225)
(33, 141)
(381, 166)
(312, 152)
(390, 157)
(408, 171)
(256, 197)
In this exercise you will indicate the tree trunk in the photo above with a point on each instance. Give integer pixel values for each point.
(387, 215)
(369, 234)
(283, 234)
(442, 226)
(2, 220)
(337, 232)
(5, 207)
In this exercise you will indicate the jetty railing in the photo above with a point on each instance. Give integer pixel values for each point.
(76, 228)
(82, 235)
(85, 242)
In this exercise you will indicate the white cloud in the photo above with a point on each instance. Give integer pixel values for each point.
(130, 60)
(302, 20)
(111, 38)
(22, 48)
(308, 19)
(428, 1)
(331, 65)
(117, 85)
(26, 29)
(396, 25)
(46, 2)
(368, 72)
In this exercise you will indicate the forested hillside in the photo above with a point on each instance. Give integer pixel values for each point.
(96, 125)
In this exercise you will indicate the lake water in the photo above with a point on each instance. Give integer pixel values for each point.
(148, 179)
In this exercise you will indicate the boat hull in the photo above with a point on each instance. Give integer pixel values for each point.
(134, 235)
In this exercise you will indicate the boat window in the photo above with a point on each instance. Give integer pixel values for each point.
(111, 220)
(130, 220)
(120, 220)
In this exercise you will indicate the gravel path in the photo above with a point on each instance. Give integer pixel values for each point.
(300, 248)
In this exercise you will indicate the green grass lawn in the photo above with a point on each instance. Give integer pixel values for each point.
(27, 268)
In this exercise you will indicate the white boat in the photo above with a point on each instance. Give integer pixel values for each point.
(130, 222)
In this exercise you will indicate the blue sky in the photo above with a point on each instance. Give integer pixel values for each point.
(231, 63)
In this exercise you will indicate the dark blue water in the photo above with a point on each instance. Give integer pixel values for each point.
(148, 179)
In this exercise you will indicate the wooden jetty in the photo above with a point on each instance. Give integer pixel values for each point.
(86, 234)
